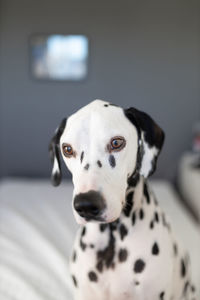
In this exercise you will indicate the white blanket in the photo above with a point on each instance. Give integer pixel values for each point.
(37, 230)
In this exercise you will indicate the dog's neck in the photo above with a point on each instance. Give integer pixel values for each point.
(134, 193)
(134, 202)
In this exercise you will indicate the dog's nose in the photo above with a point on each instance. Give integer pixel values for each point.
(89, 205)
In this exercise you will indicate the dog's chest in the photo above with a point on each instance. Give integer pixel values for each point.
(117, 259)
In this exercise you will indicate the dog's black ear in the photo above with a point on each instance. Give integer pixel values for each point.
(150, 140)
(54, 152)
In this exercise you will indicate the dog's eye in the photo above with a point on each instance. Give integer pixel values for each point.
(117, 143)
(67, 150)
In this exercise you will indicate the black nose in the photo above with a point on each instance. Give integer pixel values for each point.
(89, 205)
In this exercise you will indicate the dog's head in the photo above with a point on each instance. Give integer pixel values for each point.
(104, 147)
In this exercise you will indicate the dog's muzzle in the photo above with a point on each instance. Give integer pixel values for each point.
(89, 205)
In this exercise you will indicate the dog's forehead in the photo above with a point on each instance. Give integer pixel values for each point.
(98, 118)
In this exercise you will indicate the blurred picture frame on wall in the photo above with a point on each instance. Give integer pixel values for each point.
(59, 57)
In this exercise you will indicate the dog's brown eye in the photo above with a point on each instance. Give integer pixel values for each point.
(117, 143)
(67, 150)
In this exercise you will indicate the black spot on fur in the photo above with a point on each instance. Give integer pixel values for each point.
(156, 217)
(133, 179)
(103, 227)
(83, 231)
(123, 255)
(92, 276)
(137, 283)
(123, 231)
(82, 156)
(133, 218)
(193, 289)
(146, 193)
(105, 257)
(155, 201)
(164, 220)
(141, 214)
(74, 256)
(106, 105)
(113, 225)
(99, 163)
(99, 266)
(74, 281)
(151, 225)
(112, 161)
(139, 266)
(82, 244)
(155, 249)
(183, 268)
(186, 288)
(175, 248)
(162, 294)
(129, 204)
(92, 246)
(86, 167)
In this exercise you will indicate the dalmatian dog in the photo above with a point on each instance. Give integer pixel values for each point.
(125, 248)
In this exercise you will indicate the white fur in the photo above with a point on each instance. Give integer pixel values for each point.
(90, 130)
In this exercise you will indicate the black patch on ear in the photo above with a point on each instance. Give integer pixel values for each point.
(153, 134)
(54, 152)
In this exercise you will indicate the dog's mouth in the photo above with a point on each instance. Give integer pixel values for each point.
(96, 219)
(102, 218)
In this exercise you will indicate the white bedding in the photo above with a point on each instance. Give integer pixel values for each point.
(37, 229)
(189, 181)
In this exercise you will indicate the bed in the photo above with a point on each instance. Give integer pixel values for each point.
(37, 230)
(189, 181)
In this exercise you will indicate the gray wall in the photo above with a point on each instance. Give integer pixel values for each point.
(142, 53)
